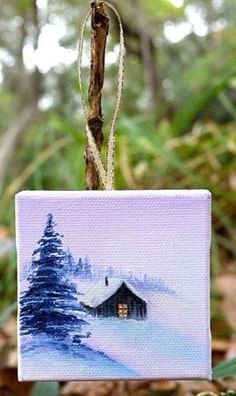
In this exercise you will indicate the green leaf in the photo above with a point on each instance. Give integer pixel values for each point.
(225, 369)
(45, 389)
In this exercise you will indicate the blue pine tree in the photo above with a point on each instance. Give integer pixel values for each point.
(79, 267)
(50, 305)
(87, 269)
(84, 268)
(69, 262)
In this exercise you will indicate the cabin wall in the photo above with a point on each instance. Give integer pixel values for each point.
(136, 307)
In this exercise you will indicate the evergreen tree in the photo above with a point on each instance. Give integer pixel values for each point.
(79, 267)
(50, 305)
(84, 268)
(87, 269)
(69, 262)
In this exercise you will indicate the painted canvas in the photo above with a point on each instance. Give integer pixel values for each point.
(113, 284)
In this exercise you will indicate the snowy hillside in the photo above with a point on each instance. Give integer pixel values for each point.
(119, 349)
(78, 362)
(151, 349)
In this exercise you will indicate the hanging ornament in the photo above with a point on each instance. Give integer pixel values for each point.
(113, 284)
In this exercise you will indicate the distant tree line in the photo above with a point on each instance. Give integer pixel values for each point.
(80, 267)
(85, 271)
(144, 282)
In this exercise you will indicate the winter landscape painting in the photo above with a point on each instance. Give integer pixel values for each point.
(113, 284)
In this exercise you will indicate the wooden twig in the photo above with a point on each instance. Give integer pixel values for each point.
(99, 31)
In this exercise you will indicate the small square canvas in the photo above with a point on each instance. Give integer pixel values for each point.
(113, 284)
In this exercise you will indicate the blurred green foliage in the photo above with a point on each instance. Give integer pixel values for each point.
(224, 369)
(177, 128)
(45, 389)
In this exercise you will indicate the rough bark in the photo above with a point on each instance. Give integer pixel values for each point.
(99, 31)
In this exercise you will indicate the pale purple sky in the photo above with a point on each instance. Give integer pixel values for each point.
(162, 233)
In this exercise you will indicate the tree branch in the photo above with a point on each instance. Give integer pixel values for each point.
(99, 31)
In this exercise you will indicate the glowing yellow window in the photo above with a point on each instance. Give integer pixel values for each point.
(122, 310)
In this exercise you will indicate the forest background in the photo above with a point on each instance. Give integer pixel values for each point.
(176, 130)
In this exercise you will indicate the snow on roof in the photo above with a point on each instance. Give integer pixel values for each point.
(101, 292)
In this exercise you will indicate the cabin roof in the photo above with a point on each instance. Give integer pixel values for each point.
(101, 292)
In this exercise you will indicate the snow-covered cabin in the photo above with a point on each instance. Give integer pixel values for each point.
(115, 297)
